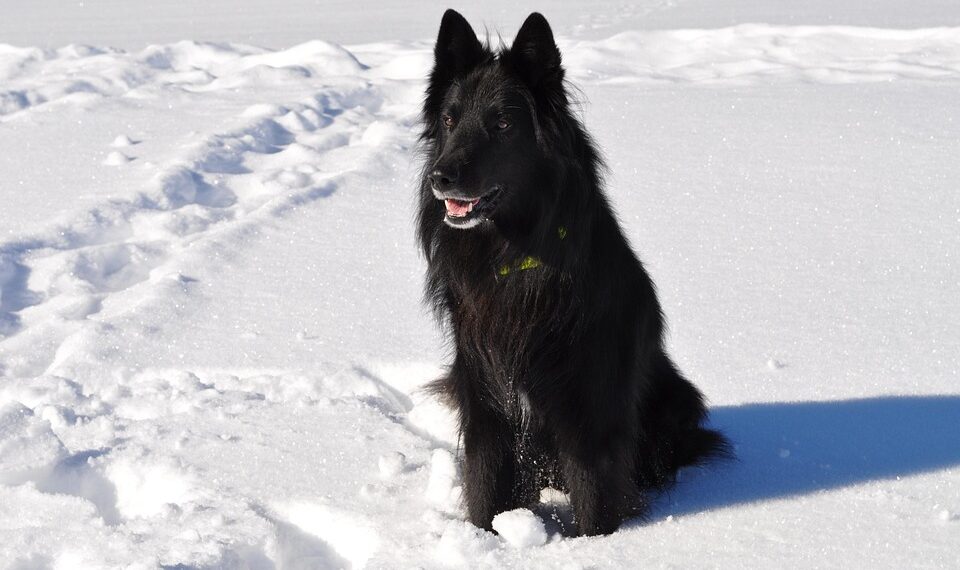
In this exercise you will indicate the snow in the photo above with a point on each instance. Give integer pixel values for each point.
(392, 464)
(29, 450)
(520, 528)
(212, 350)
(834, 54)
(116, 158)
(443, 477)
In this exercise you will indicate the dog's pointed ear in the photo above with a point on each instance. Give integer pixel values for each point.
(535, 52)
(458, 50)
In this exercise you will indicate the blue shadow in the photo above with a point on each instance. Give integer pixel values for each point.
(14, 293)
(786, 449)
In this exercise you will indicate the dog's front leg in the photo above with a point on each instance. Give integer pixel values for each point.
(489, 468)
(602, 491)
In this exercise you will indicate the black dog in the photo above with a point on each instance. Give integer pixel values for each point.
(560, 377)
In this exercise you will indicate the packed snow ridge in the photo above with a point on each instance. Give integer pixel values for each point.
(33, 76)
(185, 379)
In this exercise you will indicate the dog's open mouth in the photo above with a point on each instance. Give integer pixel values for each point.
(467, 212)
(459, 208)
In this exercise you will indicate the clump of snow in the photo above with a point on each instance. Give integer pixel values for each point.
(145, 489)
(462, 544)
(381, 132)
(116, 158)
(123, 141)
(520, 528)
(443, 477)
(29, 450)
(391, 464)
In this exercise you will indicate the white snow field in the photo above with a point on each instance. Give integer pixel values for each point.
(211, 336)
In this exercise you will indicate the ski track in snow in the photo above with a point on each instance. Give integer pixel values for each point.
(100, 460)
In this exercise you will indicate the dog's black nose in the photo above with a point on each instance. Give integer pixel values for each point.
(442, 180)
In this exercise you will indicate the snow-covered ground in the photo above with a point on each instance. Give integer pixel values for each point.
(211, 338)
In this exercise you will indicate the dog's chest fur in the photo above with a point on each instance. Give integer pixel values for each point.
(515, 328)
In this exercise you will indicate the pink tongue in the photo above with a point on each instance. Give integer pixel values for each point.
(459, 208)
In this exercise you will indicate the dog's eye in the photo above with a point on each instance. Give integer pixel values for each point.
(447, 121)
(503, 124)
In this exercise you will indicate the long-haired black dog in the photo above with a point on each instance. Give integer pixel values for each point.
(560, 377)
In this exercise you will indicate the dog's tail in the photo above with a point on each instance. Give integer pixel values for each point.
(677, 436)
(701, 445)
(672, 451)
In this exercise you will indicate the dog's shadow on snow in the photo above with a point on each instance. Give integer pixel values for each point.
(786, 449)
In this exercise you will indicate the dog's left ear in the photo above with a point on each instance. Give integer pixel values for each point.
(535, 53)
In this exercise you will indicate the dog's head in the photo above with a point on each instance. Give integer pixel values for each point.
(486, 124)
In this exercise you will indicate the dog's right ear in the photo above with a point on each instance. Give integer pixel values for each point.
(458, 50)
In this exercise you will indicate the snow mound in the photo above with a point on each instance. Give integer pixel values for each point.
(81, 74)
(350, 535)
(116, 158)
(147, 489)
(520, 528)
(29, 450)
(123, 141)
(318, 56)
(465, 545)
(751, 53)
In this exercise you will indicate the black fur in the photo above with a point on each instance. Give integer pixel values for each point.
(560, 376)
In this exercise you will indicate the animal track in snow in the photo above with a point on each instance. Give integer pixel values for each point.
(272, 161)
(351, 536)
